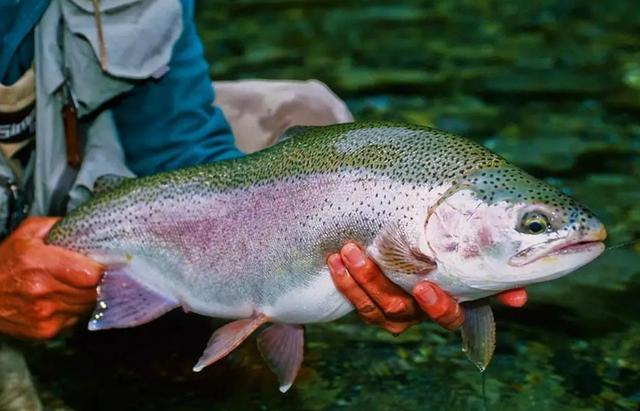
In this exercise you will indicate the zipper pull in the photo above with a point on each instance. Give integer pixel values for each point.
(71, 137)
(13, 187)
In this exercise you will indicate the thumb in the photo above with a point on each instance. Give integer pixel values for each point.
(36, 227)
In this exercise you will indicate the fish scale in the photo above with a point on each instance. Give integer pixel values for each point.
(248, 238)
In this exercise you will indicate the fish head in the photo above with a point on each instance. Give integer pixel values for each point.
(501, 228)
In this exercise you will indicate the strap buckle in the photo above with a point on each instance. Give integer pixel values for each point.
(13, 192)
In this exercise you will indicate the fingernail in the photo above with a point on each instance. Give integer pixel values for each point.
(426, 294)
(513, 298)
(518, 300)
(354, 255)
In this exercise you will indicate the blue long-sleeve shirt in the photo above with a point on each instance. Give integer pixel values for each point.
(163, 124)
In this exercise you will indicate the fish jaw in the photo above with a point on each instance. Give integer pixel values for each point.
(455, 280)
(588, 247)
(559, 263)
(558, 257)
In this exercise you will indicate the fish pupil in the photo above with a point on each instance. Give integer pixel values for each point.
(536, 227)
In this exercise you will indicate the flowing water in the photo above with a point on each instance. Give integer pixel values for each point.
(554, 86)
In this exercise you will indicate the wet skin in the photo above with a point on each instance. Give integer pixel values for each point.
(45, 289)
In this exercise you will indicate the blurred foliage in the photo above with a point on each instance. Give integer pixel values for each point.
(553, 86)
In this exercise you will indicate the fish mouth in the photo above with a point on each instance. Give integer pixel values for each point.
(559, 248)
(577, 247)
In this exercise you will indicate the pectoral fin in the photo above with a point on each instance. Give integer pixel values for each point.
(478, 332)
(226, 338)
(396, 253)
(281, 346)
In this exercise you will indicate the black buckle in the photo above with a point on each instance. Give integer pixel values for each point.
(14, 215)
(11, 188)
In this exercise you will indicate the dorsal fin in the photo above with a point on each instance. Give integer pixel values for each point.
(107, 182)
(293, 131)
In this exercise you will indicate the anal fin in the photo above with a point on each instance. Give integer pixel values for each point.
(123, 302)
(226, 338)
(478, 332)
(281, 346)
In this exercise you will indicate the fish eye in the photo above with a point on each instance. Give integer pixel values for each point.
(534, 223)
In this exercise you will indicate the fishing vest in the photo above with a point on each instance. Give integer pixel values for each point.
(82, 61)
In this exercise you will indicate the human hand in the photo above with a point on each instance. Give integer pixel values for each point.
(43, 289)
(382, 302)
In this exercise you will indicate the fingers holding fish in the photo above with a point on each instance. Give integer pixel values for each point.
(35, 227)
(380, 301)
(35, 286)
(40, 318)
(75, 270)
(28, 251)
(43, 330)
(392, 300)
(365, 306)
(447, 312)
(48, 329)
(513, 298)
(79, 298)
(43, 289)
(441, 307)
(59, 304)
(68, 268)
(454, 319)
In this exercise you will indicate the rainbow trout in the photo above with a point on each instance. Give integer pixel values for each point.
(247, 239)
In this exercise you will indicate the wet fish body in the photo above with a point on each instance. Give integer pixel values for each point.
(248, 238)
